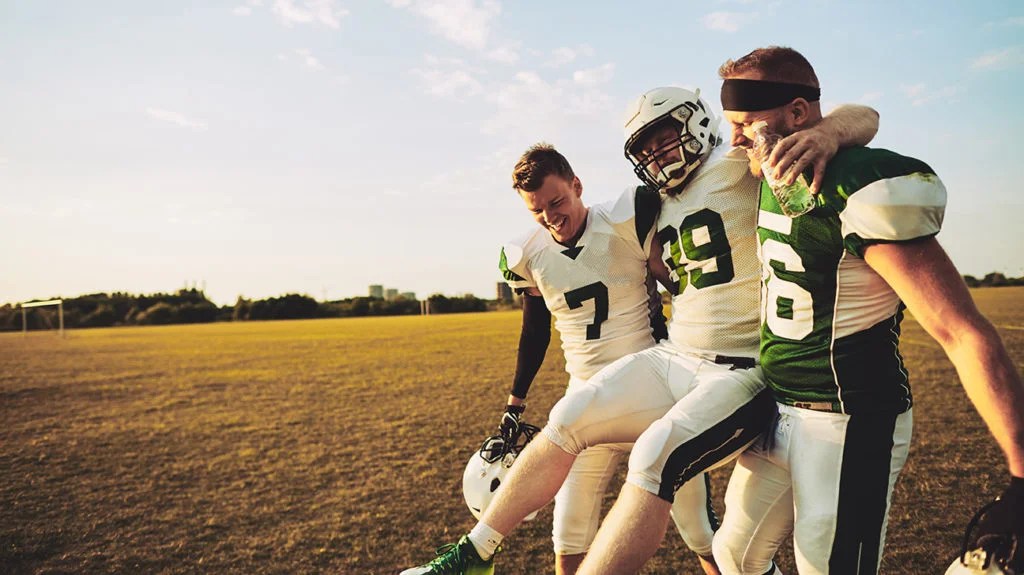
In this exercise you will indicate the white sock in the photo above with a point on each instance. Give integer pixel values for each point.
(485, 539)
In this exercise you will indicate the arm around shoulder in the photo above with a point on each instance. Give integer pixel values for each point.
(852, 124)
(814, 147)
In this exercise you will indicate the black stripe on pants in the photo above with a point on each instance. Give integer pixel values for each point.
(712, 516)
(863, 492)
(691, 458)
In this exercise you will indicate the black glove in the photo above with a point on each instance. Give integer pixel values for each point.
(1000, 529)
(510, 426)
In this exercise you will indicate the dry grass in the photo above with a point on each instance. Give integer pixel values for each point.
(337, 446)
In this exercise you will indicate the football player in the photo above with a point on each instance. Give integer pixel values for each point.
(587, 267)
(836, 281)
(701, 389)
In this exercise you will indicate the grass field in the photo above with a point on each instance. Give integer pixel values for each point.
(337, 446)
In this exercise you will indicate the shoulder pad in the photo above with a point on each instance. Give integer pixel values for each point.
(734, 153)
(513, 261)
(881, 195)
(896, 209)
(622, 208)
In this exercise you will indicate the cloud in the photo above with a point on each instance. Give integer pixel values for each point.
(566, 55)
(594, 76)
(466, 23)
(308, 59)
(246, 9)
(318, 11)
(503, 54)
(920, 94)
(726, 21)
(999, 59)
(1011, 22)
(913, 90)
(305, 56)
(492, 166)
(176, 118)
(448, 78)
(525, 100)
(528, 100)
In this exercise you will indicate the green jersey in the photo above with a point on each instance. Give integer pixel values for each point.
(830, 324)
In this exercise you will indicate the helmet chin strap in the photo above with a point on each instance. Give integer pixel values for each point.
(672, 184)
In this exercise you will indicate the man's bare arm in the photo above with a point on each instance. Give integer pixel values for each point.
(932, 289)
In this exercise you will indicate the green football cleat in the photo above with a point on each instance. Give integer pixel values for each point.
(455, 559)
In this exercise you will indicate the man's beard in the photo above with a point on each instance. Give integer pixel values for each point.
(755, 166)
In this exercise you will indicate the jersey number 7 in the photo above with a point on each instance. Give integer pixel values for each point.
(598, 292)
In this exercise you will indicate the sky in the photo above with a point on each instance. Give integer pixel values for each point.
(261, 147)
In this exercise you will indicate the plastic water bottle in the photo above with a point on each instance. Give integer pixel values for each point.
(795, 199)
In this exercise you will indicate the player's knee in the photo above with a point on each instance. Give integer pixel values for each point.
(568, 417)
(728, 558)
(733, 557)
(647, 460)
(570, 544)
(695, 531)
(575, 521)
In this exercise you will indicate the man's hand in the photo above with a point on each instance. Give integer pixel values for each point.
(1000, 530)
(510, 425)
(794, 153)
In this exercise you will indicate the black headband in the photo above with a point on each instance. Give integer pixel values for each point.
(757, 95)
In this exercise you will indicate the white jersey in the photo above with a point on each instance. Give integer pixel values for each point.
(597, 291)
(709, 239)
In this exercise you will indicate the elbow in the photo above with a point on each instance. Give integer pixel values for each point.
(970, 336)
(875, 122)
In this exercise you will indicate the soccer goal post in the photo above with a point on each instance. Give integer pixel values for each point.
(60, 313)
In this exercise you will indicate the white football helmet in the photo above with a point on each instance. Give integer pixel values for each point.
(698, 134)
(976, 562)
(985, 555)
(489, 466)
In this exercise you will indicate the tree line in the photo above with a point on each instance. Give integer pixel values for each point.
(192, 306)
(994, 279)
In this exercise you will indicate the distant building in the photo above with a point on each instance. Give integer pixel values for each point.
(411, 296)
(391, 294)
(377, 291)
(504, 292)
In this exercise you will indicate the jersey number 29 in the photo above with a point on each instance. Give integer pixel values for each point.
(684, 250)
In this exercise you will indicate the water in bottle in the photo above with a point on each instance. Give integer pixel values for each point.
(795, 199)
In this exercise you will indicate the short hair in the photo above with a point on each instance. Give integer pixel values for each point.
(775, 64)
(537, 163)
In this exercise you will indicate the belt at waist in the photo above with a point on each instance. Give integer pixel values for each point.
(828, 406)
(737, 362)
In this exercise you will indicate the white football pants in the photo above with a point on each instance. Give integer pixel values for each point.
(827, 478)
(577, 512)
(699, 413)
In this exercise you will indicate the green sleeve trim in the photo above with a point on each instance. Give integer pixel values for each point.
(508, 274)
(856, 245)
(852, 169)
